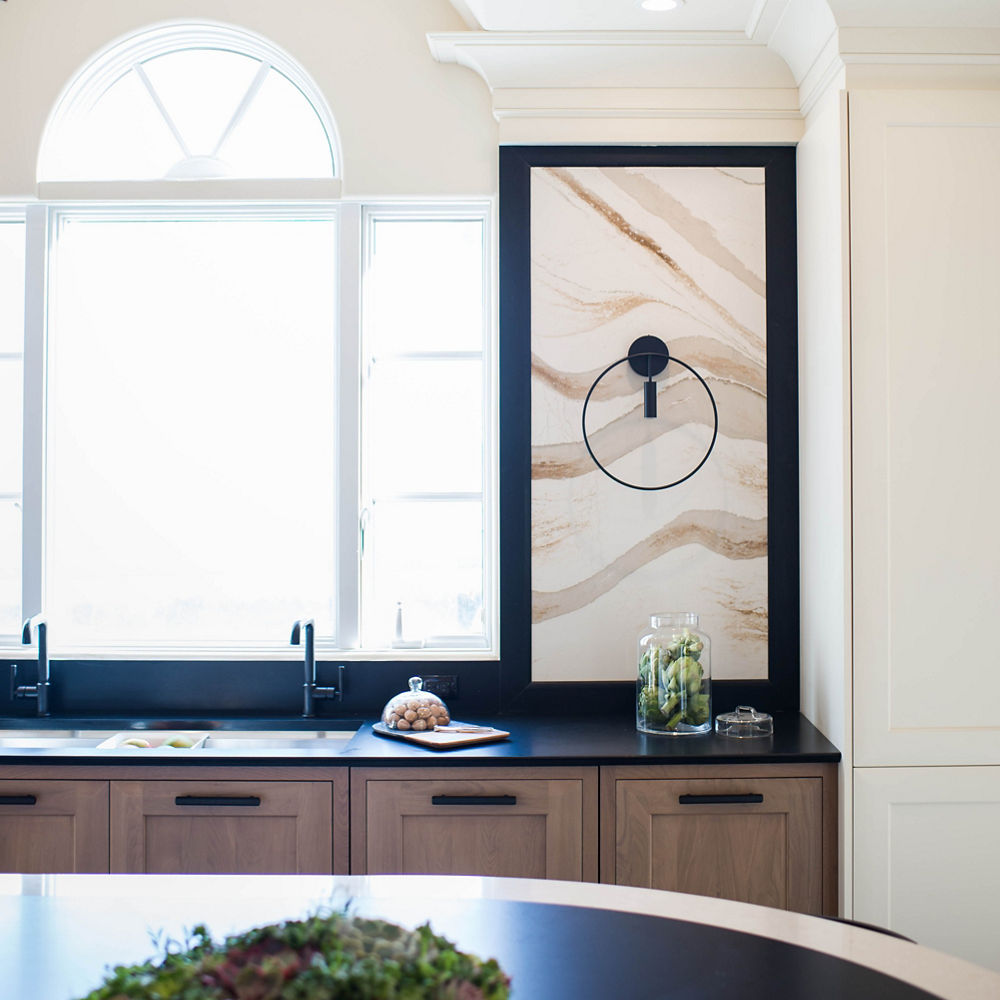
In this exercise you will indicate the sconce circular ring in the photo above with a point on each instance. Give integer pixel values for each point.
(666, 357)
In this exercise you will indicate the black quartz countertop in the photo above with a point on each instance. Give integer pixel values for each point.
(535, 740)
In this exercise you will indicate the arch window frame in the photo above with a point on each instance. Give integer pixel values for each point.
(122, 56)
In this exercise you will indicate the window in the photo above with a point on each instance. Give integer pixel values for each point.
(254, 411)
(11, 378)
(187, 102)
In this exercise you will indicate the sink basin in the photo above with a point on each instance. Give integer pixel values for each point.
(257, 740)
(13, 739)
(277, 740)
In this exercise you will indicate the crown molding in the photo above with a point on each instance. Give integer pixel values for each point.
(789, 56)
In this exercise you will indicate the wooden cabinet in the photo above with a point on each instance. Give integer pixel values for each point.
(538, 822)
(757, 835)
(53, 826)
(224, 827)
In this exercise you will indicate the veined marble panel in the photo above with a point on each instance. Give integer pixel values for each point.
(618, 253)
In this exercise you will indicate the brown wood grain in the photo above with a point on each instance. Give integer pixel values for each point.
(289, 832)
(774, 853)
(66, 830)
(551, 832)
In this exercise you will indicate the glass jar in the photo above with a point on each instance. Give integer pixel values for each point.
(674, 686)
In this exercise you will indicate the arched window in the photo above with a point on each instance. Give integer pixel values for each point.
(247, 401)
(190, 101)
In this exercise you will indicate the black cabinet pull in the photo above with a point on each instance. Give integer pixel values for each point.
(474, 800)
(217, 800)
(704, 800)
(17, 800)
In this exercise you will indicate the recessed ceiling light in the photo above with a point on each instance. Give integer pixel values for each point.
(661, 4)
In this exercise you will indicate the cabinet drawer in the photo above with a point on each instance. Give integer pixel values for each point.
(753, 839)
(225, 827)
(540, 823)
(53, 826)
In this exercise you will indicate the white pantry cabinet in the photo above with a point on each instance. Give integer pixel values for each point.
(926, 843)
(925, 372)
(925, 304)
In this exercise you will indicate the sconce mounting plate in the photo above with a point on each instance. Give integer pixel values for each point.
(648, 356)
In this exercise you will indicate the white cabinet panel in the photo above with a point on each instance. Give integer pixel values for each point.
(927, 856)
(925, 218)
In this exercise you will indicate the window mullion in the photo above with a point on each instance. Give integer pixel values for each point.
(33, 434)
(349, 429)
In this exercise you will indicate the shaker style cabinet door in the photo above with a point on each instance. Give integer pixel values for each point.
(925, 213)
(53, 826)
(516, 822)
(222, 827)
(754, 839)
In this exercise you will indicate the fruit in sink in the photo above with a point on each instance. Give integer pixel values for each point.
(136, 741)
(179, 741)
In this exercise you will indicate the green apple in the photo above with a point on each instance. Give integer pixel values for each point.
(136, 741)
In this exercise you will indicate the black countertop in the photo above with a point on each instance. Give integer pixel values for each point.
(535, 740)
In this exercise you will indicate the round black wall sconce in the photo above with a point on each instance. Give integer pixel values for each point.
(649, 356)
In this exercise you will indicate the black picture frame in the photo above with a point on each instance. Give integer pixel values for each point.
(780, 690)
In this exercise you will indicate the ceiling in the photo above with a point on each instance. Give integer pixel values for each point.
(718, 15)
(604, 15)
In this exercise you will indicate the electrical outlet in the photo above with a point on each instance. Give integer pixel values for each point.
(445, 686)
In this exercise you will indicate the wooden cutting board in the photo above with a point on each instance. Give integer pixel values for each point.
(442, 741)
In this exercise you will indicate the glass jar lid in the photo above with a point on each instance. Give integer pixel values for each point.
(745, 723)
(415, 710)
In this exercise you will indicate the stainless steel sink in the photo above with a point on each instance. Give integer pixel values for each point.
(263, 740)
(257, 740)
(63, 740)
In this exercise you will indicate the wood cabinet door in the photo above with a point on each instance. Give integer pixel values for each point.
(53, 826)
(755, 840)
(527, 823)
(221, 827)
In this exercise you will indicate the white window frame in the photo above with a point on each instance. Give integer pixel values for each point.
(122, 55)
(482, 211)
(16, 213)
(353, 219)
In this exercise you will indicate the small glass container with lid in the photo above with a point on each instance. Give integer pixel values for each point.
(674, 686)
(745, 723)
(415, 710)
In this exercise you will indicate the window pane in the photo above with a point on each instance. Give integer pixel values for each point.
(123, 137)
(200, 89)
(10, 425)
(191, 430)
(425, 421)
(280, 136)
(10, 567)
(11, 287)
(429, 557)
(424, 286)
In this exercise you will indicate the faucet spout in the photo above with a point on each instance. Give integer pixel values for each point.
(304, 634)
(40, 689)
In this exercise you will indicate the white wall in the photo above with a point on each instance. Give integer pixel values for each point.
(824, 438)
(408, 125)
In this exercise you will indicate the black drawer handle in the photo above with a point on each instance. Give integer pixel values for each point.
(17, 800)
(474, 800)
(217, 800)
(704, 800)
